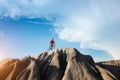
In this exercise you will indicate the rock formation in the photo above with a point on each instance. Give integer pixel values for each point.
(59, 64)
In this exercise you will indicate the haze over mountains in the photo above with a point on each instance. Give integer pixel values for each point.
(59, 64)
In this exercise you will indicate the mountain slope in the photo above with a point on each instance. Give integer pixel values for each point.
(60, 64)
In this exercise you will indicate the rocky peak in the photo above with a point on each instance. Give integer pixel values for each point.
(59, 64)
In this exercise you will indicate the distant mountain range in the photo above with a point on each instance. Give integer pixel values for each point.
(59, 64)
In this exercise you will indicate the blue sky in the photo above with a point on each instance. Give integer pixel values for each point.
(24, 37)
(91, 26)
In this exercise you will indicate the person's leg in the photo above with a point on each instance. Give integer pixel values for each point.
(51, 47)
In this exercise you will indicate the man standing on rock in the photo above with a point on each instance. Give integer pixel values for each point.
(52, 44)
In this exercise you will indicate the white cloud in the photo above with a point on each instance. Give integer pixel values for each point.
(96, 27)
(1, 33)
(93, 23)
(28, 8)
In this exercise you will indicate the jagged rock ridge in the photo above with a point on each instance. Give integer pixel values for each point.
(60, 64)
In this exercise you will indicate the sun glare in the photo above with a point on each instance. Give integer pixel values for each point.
(1, 56)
